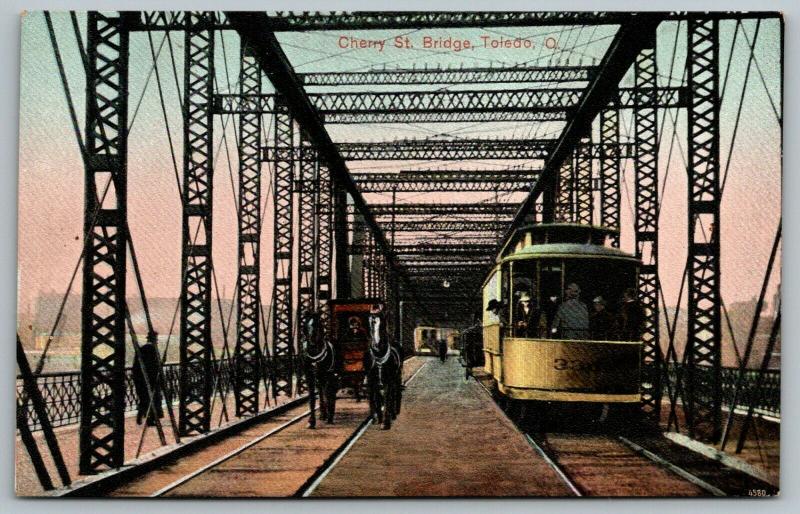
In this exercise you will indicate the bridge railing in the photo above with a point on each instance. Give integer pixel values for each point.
(61, 391)
(767, 401)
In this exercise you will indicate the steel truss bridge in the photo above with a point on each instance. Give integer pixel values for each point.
(330, 242)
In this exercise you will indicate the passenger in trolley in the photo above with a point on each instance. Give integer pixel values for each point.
(572, 317)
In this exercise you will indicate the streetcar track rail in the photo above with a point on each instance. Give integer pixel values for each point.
(699, 482)
(330, 463)
(186, 478)
(552, 460)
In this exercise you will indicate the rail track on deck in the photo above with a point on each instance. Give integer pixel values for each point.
(636, 461)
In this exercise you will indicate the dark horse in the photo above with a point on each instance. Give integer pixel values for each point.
(319, 361)
(384, 373)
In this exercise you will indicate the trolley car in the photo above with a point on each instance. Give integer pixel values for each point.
(555, 348)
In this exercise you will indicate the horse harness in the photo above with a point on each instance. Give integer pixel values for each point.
(327, 348)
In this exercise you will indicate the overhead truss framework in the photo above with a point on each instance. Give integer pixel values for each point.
(444, 209)
(289, 21)
(311, 166)
(446, 101)
(446, 181)
(444, 150)
(488, 75)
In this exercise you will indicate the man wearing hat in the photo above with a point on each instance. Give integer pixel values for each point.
(494, 307)
(526, 316)
(601, 322)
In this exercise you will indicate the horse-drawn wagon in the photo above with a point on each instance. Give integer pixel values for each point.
(349, 330)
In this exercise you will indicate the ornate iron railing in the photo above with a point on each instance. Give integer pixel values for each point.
(61, 391)
(767, 400)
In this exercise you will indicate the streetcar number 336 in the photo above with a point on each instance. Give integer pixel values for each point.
(574, 365)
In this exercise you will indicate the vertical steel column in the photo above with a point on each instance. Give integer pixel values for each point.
(283, 237)
(584, 204)
(325, 235)
(248, 348)
(704, 394)
(357, 253)
(307, 245)
(340, 237)
(646, 223)
(609, 171)
(196, 349)
(105, 221)
(564, 203)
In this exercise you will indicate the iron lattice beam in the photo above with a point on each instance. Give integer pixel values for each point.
(103, 306)
(307, 192)
(290, 22)
(431, 209)
(196, 350)
(255, 30)
(584, 201)
(443, 150)
(446, 181)
(448, 226)
(704, 390)
(401, 117)
(627, 43)
(610, 172)
(283, 22)
(517, 74)
(283, 242)
(538, 104)
(646, 227)
(247, 352)
(454, 250)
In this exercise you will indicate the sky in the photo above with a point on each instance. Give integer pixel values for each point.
(51, 172)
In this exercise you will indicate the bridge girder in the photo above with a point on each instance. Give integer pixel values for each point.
(460, 181)
(444, 209)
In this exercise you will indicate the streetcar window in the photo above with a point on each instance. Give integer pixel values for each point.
(523, 302)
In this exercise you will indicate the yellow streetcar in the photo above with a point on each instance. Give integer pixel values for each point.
(561, 321)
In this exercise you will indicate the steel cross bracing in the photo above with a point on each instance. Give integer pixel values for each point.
(283, 242)
(565, 192)
(289, 21)
(610, 171)
(487, 75)
(704, 395)
(423, 209)
(448, 150)
(324, 238)
(248, 342)
(446, 181)
(646, 227)
(448, 226)
(196, 350)
(552, 104)
(455, 250)
(103, 305)
(255, 28)
(306, 187)
(627, 42)
(584, 205)
(444, 150)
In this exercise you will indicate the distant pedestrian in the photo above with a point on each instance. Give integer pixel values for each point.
(442, 350)
(146, 364)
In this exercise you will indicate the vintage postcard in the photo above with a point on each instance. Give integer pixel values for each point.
(399, 254)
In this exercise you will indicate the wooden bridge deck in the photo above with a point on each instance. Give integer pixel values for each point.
(449, 440)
